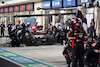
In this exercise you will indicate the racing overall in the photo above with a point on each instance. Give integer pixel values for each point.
(2, 29)
(77, 44)
(9, 29)
(91, 58)
(18, 27)
(23, 33)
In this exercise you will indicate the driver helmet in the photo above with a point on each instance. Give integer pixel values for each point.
(28, 24)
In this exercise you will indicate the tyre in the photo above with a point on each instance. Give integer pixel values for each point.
(50, 39)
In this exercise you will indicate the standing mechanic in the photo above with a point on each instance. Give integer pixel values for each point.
(23, 33)
(58, 25)
(76, 36)
(9, 28)
(2, 28)
(92, 29)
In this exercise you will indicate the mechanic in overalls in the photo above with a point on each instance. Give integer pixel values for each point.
(77, 35)
(2, 28)
(18, 26)
(91, 56)
(50, 29)
(9, 28)
(18, 31)
(23, 33)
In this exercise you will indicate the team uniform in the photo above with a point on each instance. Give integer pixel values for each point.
(18, 27)
(23, 33)
(92, 30)
(9, 29)
(2, 29)
(91, 58)
(77, 44)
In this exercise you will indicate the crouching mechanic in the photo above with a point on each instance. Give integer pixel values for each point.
(91, 56)
(77, 35)
(97, 50)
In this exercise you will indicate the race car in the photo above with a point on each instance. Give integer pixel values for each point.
(35, 35)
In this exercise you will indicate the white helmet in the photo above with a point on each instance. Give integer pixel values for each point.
(28, 23)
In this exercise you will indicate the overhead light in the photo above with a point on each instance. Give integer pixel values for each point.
(50, 12)
(61, 11)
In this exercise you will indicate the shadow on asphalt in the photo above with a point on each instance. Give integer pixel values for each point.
(5, 63)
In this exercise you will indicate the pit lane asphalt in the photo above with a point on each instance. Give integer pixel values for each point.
(5, 63)
(51, 54)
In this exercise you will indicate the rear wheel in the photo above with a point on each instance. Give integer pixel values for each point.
(50, 39)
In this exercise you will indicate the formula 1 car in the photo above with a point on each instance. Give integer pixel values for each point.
(35, 36)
